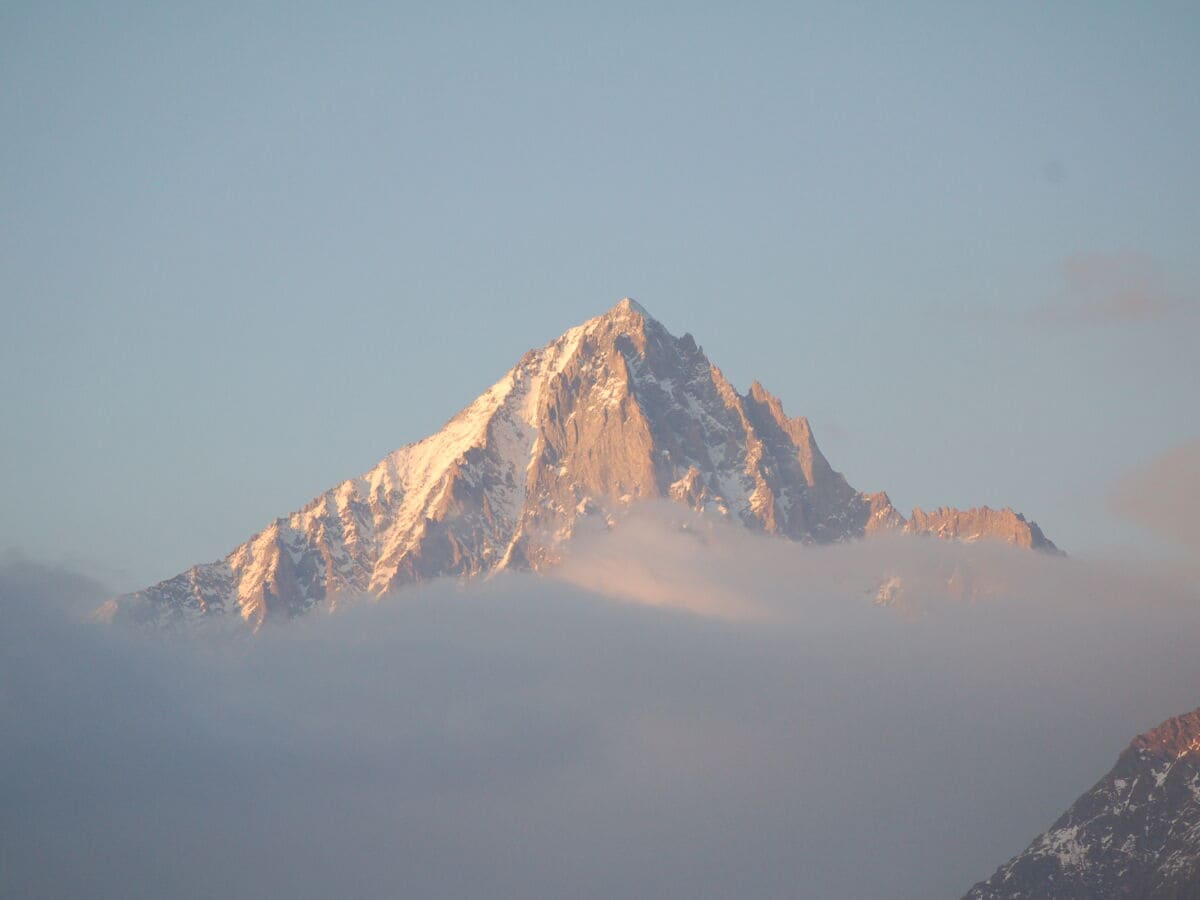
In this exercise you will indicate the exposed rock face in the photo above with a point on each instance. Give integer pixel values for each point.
(615, 411)
(1135, 834)
(979, 523)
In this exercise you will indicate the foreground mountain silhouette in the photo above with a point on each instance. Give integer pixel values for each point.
(1136, 834)
(615, 411)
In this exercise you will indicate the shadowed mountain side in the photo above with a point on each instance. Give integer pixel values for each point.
(1136, 834)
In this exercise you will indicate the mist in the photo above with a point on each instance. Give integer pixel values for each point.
(679, 710)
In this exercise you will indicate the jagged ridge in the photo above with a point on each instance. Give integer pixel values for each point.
(981, 523)
(614, 411)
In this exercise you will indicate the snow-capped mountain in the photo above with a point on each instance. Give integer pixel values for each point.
(1136, 834)
(615, 411)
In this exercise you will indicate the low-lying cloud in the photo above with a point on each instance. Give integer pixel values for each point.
(680, 712)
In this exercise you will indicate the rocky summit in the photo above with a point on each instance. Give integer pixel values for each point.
(1136, 834)
(615, 411)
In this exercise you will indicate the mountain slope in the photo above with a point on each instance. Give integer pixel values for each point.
(614, 411)
(1135, 834)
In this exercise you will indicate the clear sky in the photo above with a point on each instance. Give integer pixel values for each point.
(247, 249)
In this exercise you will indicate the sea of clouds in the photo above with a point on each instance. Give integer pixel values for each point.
(680, 710)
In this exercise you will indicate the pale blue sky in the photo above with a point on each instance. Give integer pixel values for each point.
(246, 252)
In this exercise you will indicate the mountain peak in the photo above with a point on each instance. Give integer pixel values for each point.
(615, 411)
(627, 312)
(627, 318)
(627, 305)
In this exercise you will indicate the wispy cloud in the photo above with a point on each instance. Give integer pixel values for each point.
(1164, 496)
(1102, 289)
(1090, 291)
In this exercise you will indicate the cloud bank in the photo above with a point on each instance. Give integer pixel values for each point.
(684, 711)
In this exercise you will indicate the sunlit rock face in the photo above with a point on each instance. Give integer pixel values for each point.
(980, 523)
(615, 411)
(1136, 834)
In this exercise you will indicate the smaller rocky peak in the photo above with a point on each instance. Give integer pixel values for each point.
(980, 523)
(762, 397)
(881, 514)
(766, 411)
(760, 394)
